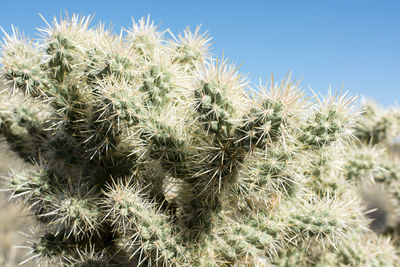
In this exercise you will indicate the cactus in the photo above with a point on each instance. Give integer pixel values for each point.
(376, 162)
(378, 125)
(149, 151)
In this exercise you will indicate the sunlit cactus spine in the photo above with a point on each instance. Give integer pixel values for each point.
(149, 151)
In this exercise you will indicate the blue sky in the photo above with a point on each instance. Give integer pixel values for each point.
(350, 44)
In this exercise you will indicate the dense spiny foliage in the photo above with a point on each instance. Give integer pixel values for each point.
(149, 151)
(376, 161)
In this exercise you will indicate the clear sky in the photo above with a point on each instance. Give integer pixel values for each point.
(350, 44)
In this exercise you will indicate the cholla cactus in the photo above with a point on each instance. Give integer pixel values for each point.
(374, 166)
(378, 125)
(150, 152)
